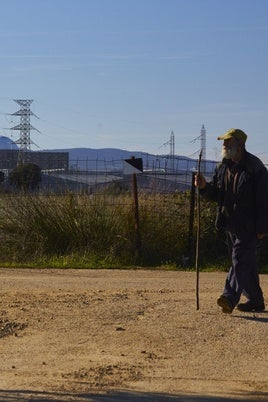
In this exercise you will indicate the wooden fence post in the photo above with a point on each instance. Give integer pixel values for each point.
(136, 213)
(191, 221)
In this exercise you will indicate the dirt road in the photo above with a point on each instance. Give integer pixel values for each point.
(106, 335)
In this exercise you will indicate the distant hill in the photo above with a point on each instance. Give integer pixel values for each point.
(7, 143)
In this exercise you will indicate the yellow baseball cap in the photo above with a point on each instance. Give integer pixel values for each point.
(236, 133)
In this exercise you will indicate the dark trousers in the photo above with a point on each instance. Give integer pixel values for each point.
(243, 275)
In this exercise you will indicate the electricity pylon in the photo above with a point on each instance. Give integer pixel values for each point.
(24, 127)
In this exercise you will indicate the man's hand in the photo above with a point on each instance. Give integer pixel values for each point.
(261, 235)
(200, 181)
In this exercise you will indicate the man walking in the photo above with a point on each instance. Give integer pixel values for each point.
(240, 188)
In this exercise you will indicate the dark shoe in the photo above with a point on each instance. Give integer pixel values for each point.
(250, 306)
(225, 304)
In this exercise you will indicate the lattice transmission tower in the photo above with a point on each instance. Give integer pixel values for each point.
(24, 127)
(171, 144)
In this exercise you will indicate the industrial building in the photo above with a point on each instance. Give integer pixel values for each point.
(44, 159)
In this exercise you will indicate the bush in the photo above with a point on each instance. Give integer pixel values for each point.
(25, 177)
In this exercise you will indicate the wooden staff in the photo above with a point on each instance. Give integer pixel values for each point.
(197, 234)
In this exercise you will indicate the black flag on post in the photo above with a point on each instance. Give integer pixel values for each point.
(133, 165)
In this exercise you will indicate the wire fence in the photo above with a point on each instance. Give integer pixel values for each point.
(159, 201)
(160, 175)
(96, 207)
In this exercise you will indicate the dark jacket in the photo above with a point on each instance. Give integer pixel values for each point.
(249, 207)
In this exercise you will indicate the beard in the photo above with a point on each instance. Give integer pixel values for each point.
(228, 152)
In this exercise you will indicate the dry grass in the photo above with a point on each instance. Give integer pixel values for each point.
(81, 230)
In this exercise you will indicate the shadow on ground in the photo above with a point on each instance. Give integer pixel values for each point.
(262, 317)
(118, 396)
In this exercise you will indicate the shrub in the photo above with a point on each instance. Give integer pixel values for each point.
(25, 177)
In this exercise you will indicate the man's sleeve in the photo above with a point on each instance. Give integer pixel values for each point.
(261, 187)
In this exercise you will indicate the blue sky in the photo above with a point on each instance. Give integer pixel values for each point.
(125, 73)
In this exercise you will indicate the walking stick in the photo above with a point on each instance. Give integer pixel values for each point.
(197, 235)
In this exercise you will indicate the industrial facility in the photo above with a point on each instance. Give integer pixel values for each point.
(20, 151)
(61, 172)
